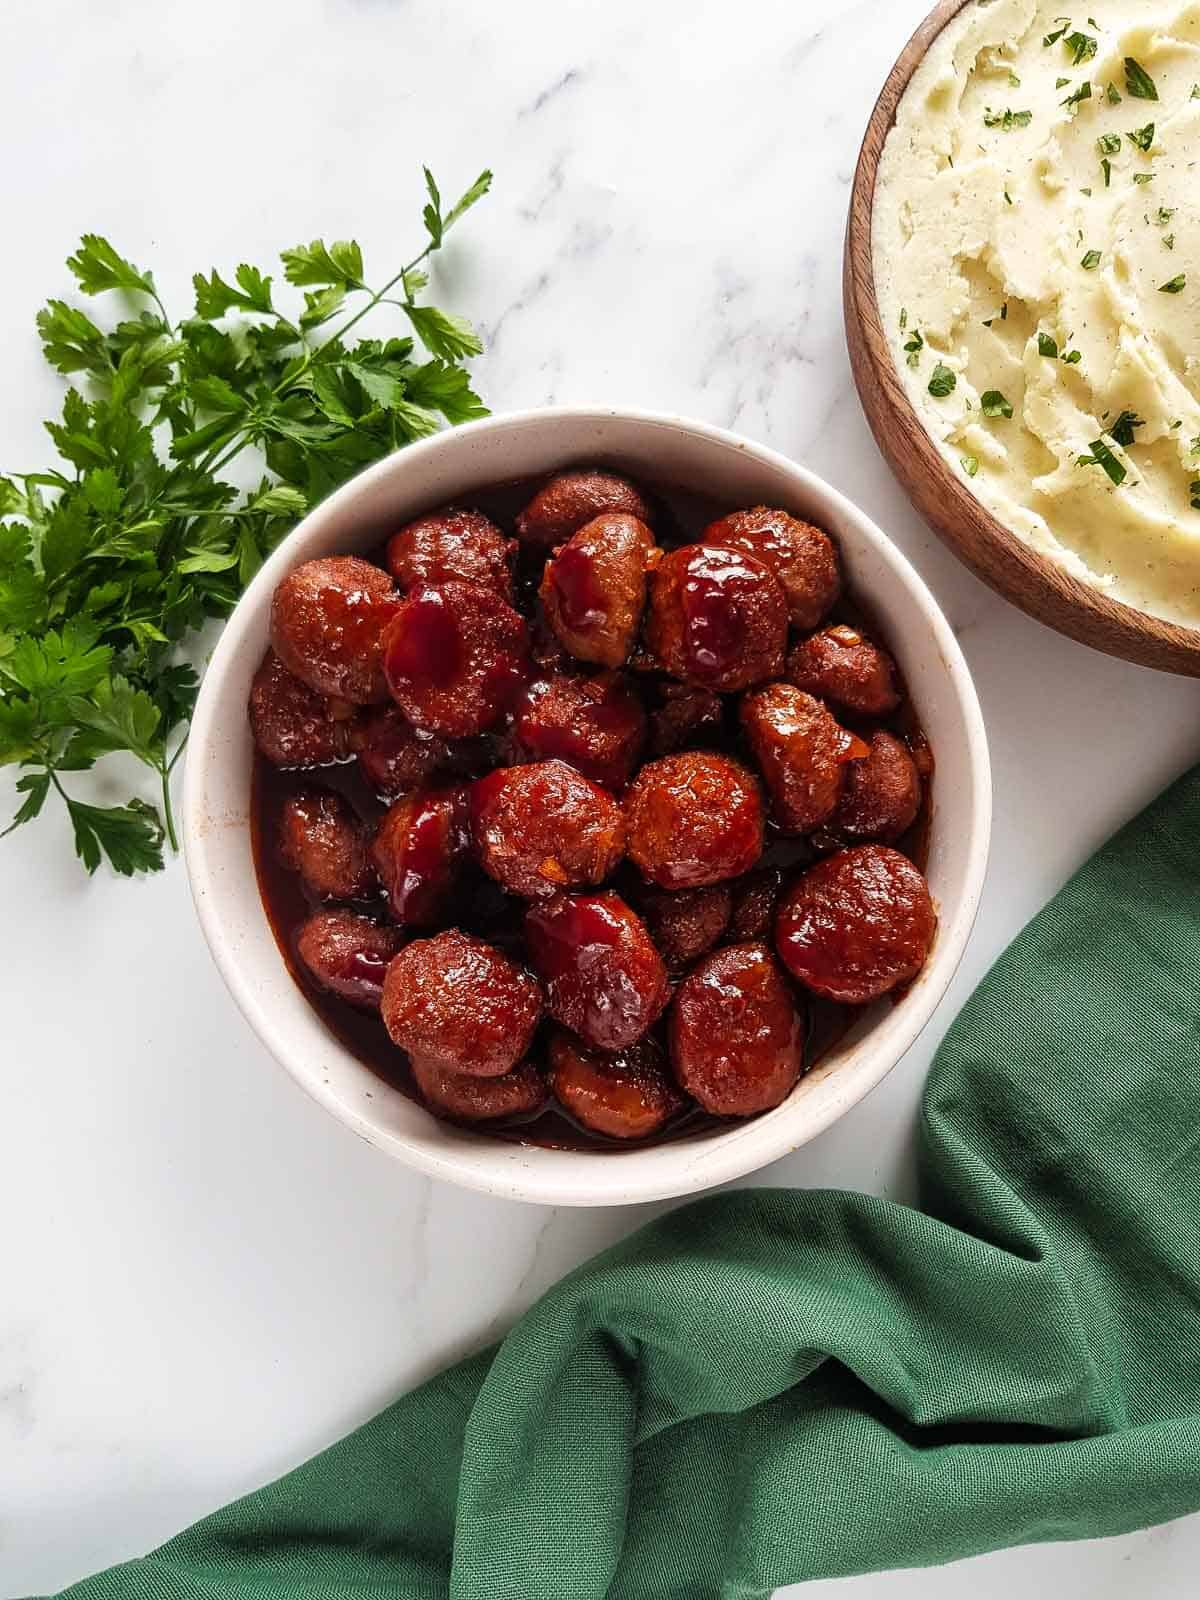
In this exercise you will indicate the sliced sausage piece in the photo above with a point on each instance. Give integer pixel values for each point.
(452, 544)
(349, 955)
(687, 714)
(571, 499)
(597, 725)
(291, 723)
(802, 753)
(458, 1004)
(393, 756)
(519, 1094)
(802, 557)
(858, 925)
(455, 658)
(594, 589)
(686, 923)
(842, 666)
(603, 977)
(754, 900)
(882, 795)
(629, 1095)
(322, 839)
(718, 618)
(737, 1039)
(544, 828)
(694, 819)
(327, 621)
(419, 852)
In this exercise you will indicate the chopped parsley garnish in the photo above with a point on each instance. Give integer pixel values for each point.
(903, 319)
(1176, 285)
(1073, 358)
(1091, 261)
(1196, 91)
(1008, 197)
(994, 404)
(1053, 38)
(1143, 177)
(1138, 81)
(1194, 489)
(1102, 456)
(943, 382)
(1106, 164)
(1082, 47)
(970, 465)
(1122, 429)
(1014, 81)
(1164, 215)
(1007, 120)
(1109, 144)
(1047, 346)
(1061, 83)
(914, 347)
(1169, 241)
(1084, 92)
(1114, 95)
(1142, 138)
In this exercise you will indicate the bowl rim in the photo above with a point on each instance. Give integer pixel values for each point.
(1027, 579)
(745, 1147)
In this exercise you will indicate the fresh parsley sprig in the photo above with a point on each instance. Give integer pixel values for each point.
(113, 559)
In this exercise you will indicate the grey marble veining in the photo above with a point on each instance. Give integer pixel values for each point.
(205, 1279)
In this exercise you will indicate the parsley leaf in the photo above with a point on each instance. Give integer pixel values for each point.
(994, 404)
(113, 561)
(1082, 47)
(1102, 456)
(943, 382)
(1138, 81)
(1047, 346)
(1084, 92)
(1122, 429)
(1091, 261)
(1142, 138)
(1064, 24)
(1007, 120)
(1176, 286)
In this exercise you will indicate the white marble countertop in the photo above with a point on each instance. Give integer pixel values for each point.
(205, 1279)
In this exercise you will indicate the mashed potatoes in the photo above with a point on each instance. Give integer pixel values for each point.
(1037, 260)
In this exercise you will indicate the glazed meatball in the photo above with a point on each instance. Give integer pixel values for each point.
(458, 1004)
(348, 955)
(802, 753)
(858, 925)
(598, 725)
(519, 1094)
(801, 557)
(737, 1039)
(717, 618)
(419, 852)
(594, 589)
(630, 1095)
(686, 923)
(882, 795)
(452, 544)
(321, 838)
(686, 714)
(754, 900)
(570, 500)
(291, 723)
(543, 828)
(393, 756)
(454, 656)
(694, 819)
(841, 666)
(603, 977)
(327, 620)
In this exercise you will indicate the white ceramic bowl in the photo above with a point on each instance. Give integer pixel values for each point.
(450, 467)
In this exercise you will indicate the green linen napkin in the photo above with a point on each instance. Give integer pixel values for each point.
(772, 1386)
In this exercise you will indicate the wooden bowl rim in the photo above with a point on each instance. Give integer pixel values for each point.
(1027, 579)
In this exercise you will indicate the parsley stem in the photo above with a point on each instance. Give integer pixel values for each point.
(168, 813)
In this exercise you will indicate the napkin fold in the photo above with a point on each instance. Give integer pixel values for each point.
(772, 1386)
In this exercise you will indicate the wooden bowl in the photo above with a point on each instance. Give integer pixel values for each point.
(992, 551)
